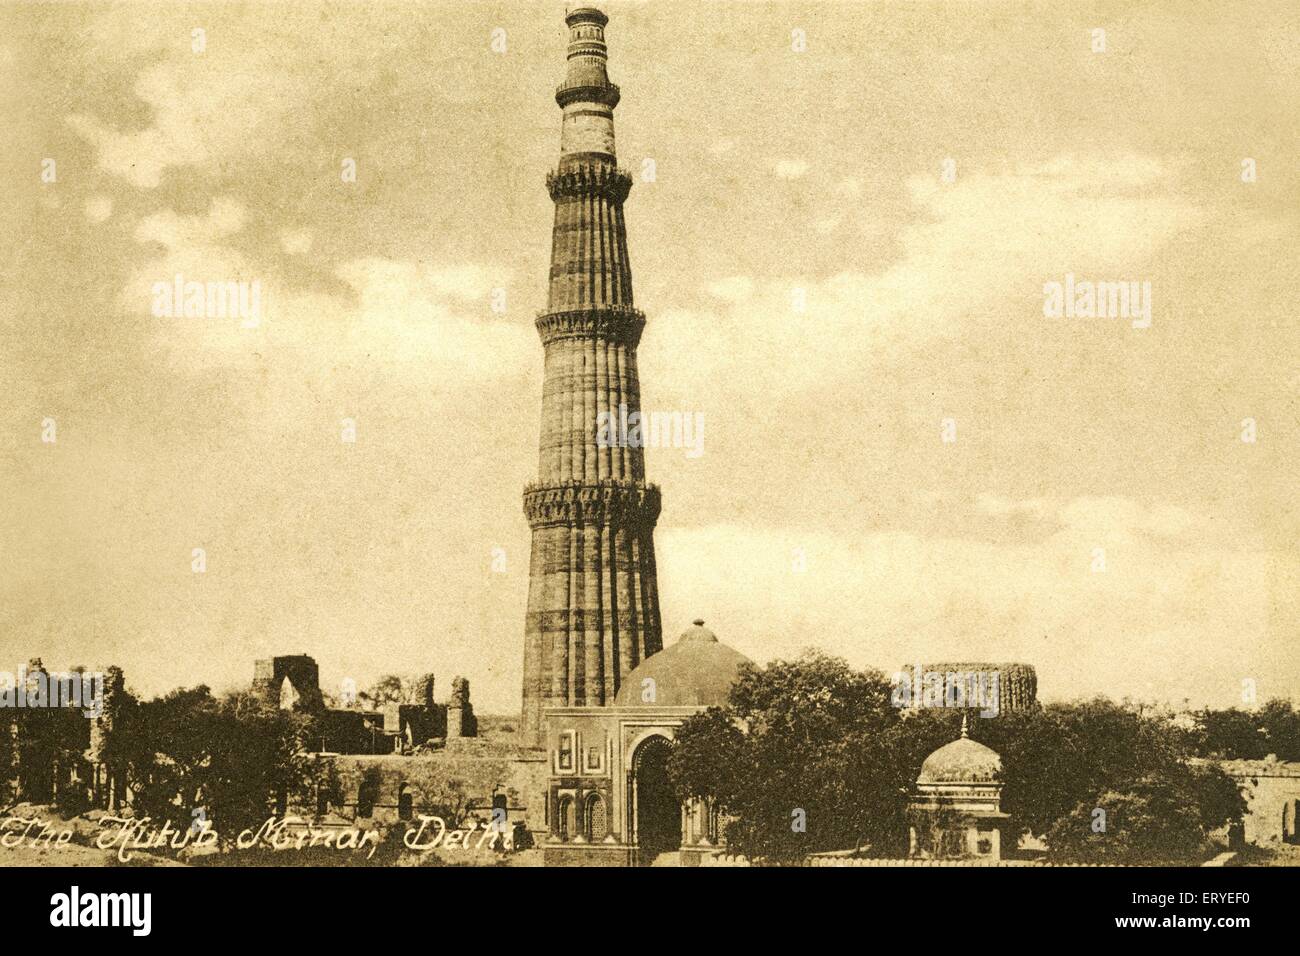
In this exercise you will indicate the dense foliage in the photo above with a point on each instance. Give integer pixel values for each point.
(1249, 734)
(810, 755)
(228, 761)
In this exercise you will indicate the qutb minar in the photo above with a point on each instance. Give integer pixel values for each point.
(593, 600)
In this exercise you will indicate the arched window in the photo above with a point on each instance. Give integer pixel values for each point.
(500, 811)
(594, 823)
(366, 796)
(564, 825)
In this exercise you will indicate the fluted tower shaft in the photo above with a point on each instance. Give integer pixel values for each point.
(593, 601)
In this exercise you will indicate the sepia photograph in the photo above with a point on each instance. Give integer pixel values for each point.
(443, 441)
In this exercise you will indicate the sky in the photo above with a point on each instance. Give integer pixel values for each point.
(843, 220)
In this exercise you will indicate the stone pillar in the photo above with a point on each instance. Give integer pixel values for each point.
(427, 697)
(461, 721)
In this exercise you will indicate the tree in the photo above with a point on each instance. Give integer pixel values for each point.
(809, 755)
(800, 759)
(1056, 756)
(1154, 820)
(702, 762)
(1280, 723)
(170, 747)
(258, 766)
(231, 761)
(1228, 734)
(392, 689)
(1235, 734)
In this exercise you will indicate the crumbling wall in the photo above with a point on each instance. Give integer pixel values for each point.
(445, 783)
(302, 673)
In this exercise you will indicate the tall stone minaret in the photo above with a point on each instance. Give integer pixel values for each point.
(593, 602)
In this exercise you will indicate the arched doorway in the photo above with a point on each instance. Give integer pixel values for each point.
(658, 814)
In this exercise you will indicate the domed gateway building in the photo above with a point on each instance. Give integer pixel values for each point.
(608, 798)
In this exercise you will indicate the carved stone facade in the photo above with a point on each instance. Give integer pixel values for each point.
(608, 799)
(976, 685)
(593, 600)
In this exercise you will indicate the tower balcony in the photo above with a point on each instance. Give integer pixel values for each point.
(616, 323)
(580, 92)
(602, 502)
(584, 178)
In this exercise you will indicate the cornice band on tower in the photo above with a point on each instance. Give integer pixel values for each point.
(586, 15)
(606, 94)
(569, 504)
(619, 324)
(589, 179)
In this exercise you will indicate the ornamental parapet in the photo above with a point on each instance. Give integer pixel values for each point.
(608, 502)
(587, 179)
(615, 323)
(567, 93)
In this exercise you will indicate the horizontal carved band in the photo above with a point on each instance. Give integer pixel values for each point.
(587, 93)
(605, 620)
(614, 503)
(620, 324)
(587, 179)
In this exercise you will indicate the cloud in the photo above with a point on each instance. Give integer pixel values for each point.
(205, 107)
(924, 300)
(974, 252)
(296, 242)
(236, 99)
(415, 312)
(98, 208)
(1003, 507)
(225, 218)
(732, 289)
(790, 168)
(882, 599)
(442, 313)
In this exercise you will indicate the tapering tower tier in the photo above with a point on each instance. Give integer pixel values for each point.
(593, 600)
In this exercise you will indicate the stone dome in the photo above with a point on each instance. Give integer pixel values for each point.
(962, 761)
(697, 671)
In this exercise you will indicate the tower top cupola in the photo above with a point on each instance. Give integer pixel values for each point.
(585, 80)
